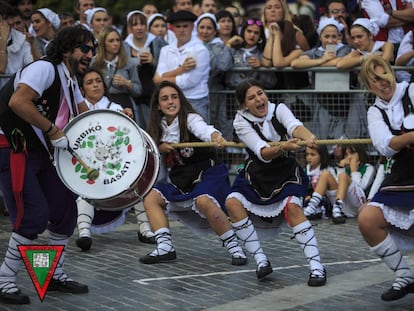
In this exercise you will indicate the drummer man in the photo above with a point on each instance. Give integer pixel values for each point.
(35, 196)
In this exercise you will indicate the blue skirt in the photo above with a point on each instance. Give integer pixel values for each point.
(402, 199)
(242, 186)
(214, 182)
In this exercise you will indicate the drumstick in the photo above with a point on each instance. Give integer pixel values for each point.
(91, 173)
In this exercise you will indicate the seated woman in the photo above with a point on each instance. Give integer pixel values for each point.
(322, 106)
(199, 182)
(363, 31)
(247, 50)
(271, 187)
(322, 183)
(99, 221)
(119, 71)
(354, 182)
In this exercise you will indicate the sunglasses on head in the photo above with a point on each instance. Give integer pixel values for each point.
(254, 22)
(86, 48)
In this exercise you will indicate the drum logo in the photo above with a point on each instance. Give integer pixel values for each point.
(104, 149)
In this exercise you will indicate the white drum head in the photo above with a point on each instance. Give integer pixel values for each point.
(105, 140)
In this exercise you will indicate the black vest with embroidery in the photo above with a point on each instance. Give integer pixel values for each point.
(189, 165)
(19, 132)
(402, 168)
(268, 179)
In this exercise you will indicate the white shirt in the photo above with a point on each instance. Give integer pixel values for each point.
(103, 104)
(378, 129)
(194, 82)
(248, 135)
(40, 82)
(195, 124)
(19, 53)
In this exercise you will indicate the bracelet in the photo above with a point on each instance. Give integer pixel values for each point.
(50, 128)
(266, 58)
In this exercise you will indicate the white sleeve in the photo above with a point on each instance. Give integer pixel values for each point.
(368, 176)
(287, 118)
(379, 132)
(31, 77)
(406, 44)
(193, 77)
(162, 61)
(199, 127)
(249, 137)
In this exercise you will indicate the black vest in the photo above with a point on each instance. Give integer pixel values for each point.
(401, 172)
(268, 179)
(16, 129)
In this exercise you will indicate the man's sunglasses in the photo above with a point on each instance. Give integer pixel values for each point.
(86, 48)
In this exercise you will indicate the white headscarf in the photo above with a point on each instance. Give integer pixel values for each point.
(51, 16)
(207, 15)
(152, 17)
(368, 24)
(91, 12)
(324, 21)
(134, 12)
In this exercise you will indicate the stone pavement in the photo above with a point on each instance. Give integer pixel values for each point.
(202, 277)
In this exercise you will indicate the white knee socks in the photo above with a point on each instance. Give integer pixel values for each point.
(305, 235)
(388, 251)
(59, 239)
(11, 263)
(247, 235)
(164, 242)
(229, 240)
(142, 220)
(86, 212)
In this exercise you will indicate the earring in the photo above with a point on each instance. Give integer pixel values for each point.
(260, 41)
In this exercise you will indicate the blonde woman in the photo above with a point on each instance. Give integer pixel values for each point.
(119, 71)
(387, 221)
(276, 11)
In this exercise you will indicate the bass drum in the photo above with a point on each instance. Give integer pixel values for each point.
(126, 157)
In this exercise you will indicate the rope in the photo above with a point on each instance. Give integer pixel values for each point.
(353, 141)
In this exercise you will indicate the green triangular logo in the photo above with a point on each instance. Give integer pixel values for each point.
(41, 262)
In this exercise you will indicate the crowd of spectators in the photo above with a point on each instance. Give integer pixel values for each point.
(144, 47)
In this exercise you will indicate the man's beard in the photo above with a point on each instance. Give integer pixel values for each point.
(76, 65)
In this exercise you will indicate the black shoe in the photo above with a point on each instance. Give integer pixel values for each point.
(145, 239)
(16, 298)
(238, 261)
(314, 216)
(264, 270)
(84, 243)
(148, 259)
(338, 220)
(317, 280)
(68, 286)
(394, 294)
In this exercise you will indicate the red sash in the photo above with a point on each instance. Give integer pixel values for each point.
(17, 171)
